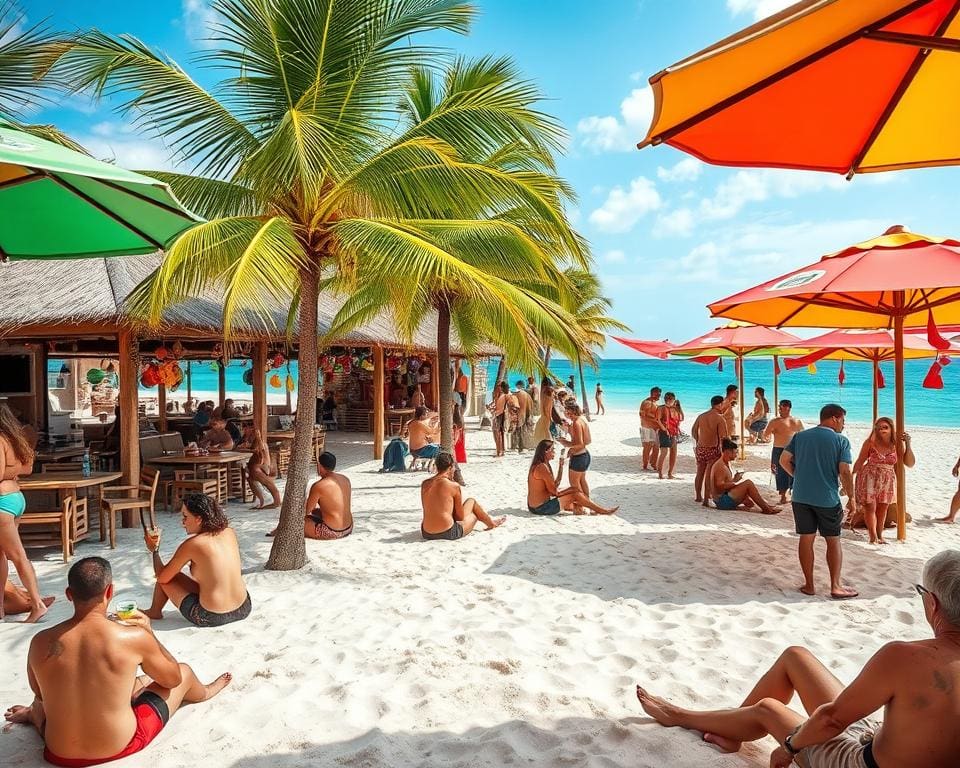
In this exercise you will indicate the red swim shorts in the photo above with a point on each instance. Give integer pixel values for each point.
(706, 456)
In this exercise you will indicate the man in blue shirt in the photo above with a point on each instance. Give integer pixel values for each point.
(819, 459)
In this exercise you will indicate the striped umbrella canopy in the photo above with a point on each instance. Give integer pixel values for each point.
(56, 203)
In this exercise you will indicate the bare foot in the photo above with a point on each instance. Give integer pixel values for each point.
(808, 590)
(768, 510)
(724, 744)
(671, 477)
(274, 505)
(218, 685)
(609, 511)
(37, 613)
(579, 511)
(18, 714)
(947, 519)
(659, 709)
(496, 522)
(844, 593)
(699, 500)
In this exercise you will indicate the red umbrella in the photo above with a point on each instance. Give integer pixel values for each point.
(658, 349)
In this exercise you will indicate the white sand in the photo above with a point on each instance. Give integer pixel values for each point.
(516, 647)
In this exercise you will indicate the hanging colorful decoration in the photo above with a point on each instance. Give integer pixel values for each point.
(291, 384)
(275, 381)
(811, 369)
(880, 381)
(177, 349)
(248, 377)
(150, 376)
(933, 335)
(841, 377)
(933, 379)
(161, 353)
(277, 361)
(95, 376)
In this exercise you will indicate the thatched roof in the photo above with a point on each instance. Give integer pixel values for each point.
(89, 294)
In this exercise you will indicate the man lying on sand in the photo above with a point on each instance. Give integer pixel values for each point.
(445, 515)
(328, 503)
(917, 683)
(82, 673)
(729, 491)
(543, 497)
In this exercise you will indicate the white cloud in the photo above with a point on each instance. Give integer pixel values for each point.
(624, 208)
(615, 257)
(753, 186)
(759, 8)
(688, 169)
(677, 223)
(198, 18)
(118, 143)
(619, 134)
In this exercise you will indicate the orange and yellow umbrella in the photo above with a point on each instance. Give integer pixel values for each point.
(848, 86)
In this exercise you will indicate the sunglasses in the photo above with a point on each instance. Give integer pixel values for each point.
(922, 590)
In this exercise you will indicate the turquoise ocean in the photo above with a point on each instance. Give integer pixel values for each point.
(626, 382)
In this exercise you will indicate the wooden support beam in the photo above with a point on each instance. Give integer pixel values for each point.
(435, 383)
(378, 400)
(260, 387)
(162, 405)
(129, 414)
(222, 382)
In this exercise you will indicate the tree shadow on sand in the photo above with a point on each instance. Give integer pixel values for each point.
(692, 566)
(634, 742)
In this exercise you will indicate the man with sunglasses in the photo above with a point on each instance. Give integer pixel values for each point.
(916, 682)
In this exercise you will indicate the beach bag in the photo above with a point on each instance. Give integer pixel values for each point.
(395, 456)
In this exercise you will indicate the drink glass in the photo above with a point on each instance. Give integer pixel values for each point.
(154, 534)
(125, 609)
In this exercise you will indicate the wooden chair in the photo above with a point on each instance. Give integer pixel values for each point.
(283, 459)
(145, 500)
(81, 520)
(187, 482)
(319, 441)
(219, 474)
(237, 482)
(57, 526)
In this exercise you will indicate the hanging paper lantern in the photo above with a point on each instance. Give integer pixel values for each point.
(95, 376)
(177, 378)
(162, 353)
(248, 377)
(169, 373)
(291, 384)
(177, 349)
(275, 381)
(933, 379)
(278, 360)
(150, 376)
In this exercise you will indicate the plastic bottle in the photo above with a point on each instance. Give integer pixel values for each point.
(86, 463)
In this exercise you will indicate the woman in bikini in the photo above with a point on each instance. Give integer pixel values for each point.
(542, 429)
(875, 478)
(756, 421)
(214, 594)
(543, 497)
(16, 458)
(670, 416)
(259, 470)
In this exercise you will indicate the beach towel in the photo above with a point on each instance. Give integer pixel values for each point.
(395, 456)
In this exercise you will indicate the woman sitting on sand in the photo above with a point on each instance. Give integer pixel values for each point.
(214, 594)
(757, 420)
(260, 472)
(543, 498)
(875, 476)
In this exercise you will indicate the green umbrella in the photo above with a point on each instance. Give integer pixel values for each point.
(59, 204)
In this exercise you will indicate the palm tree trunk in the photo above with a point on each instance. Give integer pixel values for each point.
(446, 388)
(501, 372)
(288, 552)
(583, 389)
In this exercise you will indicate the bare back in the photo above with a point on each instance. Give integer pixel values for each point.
(580, 437)
(440, 498)
(711, 429)
(420, 434)
(215, 566)
(85, 671)
(541, 485)
(331, 498)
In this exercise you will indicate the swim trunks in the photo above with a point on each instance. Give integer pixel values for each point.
(13, 503)
(549, 507)
(452, 533)
(324, 532)
(151, 713)
(666, 439)
(648, 435)
(784, 480)
(199, 616)
(851, 749)
(706, 455)
(428, 451)
(810, 518)
(580, 462)
(725, 502)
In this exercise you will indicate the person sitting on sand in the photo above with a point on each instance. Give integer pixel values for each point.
(328, 503)
(915, 681)
(260, 471)
(781, 429)
(730, 491)
(217, 437)
(445, 514)
(543, 497)
(756, 422)
(89, 706)
(423, 433)
(214, 594)
(875, 477)
(17, 600)
(708, 430)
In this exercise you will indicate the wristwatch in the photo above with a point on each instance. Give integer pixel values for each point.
(788, 743)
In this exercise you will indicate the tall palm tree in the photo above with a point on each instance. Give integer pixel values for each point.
(305, 167)
(488, 290)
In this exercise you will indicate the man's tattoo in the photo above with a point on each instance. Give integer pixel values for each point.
(941, 682)
(54, 649)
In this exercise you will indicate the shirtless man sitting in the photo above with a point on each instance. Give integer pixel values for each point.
(217, 436)
(781, 429)
(82, 673)
(423, 433)
(328, 503)
(730, 491)
(445, 514)
(916, 682)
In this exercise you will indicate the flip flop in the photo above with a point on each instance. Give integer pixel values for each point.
(845, 596)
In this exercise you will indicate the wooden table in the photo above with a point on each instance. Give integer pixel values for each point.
(281, 436)
(59, 454)
(398, 416)
(66, 485)
(182, 459)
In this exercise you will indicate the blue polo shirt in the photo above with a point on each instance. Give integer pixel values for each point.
(817, 454)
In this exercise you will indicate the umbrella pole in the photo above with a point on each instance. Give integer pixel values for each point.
(776, 382)
(901, 474)
(743, 447)
(876, 391)
(189, 383)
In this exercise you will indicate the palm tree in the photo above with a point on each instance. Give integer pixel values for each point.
(589, 309)
(304, 166)
(488, 290)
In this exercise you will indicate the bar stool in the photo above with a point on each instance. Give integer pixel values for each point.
(237, 482)
(186, 482)
(219, 474)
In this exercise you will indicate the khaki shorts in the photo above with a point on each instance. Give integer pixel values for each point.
(843, 751)
(648, 435)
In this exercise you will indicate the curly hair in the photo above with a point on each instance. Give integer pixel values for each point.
(212, 519)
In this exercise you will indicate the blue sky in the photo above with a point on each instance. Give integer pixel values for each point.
(669, 234)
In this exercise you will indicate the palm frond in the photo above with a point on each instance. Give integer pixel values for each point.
(23, 51)
(211, 198)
